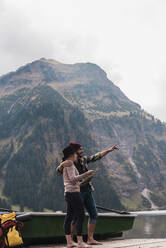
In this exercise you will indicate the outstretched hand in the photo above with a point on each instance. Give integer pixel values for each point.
(115, 147)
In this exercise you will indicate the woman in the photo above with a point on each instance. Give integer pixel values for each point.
(72, 181)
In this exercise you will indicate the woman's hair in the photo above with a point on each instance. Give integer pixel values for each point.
(67, 152)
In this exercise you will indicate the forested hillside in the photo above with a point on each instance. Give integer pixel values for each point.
(35, 125)
(45, 105)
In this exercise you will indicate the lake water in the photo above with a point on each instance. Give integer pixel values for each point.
(148, 224)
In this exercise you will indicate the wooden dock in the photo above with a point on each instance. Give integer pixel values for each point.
(120, 243)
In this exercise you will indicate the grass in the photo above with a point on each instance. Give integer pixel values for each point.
(132, 203)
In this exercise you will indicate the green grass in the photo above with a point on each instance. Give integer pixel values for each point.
(132, 203)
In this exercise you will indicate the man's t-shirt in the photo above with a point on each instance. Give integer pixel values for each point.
(82, 166)
(81, 169)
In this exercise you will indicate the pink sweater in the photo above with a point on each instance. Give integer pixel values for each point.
(72, 179)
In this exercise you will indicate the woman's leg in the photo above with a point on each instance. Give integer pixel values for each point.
(75, 209)
(79, 215)
(69, 214)
(68, 219)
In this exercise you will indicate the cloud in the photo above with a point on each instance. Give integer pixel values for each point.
(29, 31)
(160, 108)
(19, 42)
(126, 38)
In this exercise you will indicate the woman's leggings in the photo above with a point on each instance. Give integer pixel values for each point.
(74, 209)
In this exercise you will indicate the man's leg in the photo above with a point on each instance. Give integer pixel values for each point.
(90, 206)
(91, 230)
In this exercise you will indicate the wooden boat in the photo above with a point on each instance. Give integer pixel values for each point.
(48, 227)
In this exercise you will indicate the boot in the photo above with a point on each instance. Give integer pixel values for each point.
(91, 240)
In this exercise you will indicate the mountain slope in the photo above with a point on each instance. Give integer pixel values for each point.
(46, 104)
(36, 124)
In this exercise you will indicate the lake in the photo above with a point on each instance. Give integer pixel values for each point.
(148, 224)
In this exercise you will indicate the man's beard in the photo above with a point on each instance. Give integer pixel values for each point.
(80, 154)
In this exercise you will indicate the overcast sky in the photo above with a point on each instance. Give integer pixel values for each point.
(127, 38)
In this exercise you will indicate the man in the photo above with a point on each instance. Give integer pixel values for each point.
(86, 187)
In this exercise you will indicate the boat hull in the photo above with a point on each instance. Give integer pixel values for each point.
(48, 227)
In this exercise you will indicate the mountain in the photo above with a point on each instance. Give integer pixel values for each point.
(46, 104)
